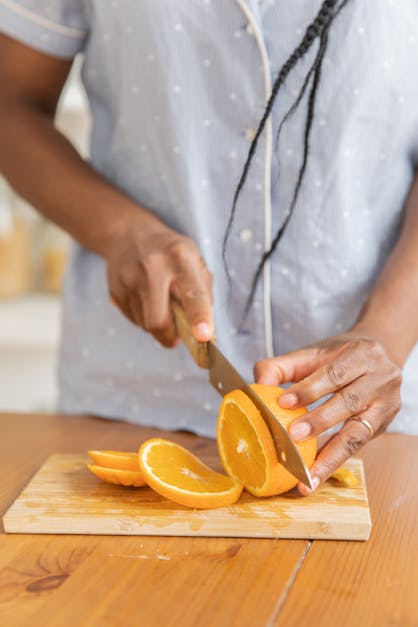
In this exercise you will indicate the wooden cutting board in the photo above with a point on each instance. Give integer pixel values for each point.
(64, 497)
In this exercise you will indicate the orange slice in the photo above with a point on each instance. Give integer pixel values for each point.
(345, 477)
(246, 446)
(178, 475)
(132, 478)
(115, 459)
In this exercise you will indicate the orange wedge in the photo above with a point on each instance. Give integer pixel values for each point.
(132, 478)
(346, 477)
(115, 459)
(246, 446)
(178, 475)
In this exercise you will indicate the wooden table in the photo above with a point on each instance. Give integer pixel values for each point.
(156, 581)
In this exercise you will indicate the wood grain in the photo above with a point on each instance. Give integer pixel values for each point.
(126, 580)
(116, 581)
(375, 583)
(64, 497)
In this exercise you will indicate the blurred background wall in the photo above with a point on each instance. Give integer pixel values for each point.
(33, 256)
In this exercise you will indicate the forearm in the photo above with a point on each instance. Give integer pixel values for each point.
(391, 312)
(46, 170)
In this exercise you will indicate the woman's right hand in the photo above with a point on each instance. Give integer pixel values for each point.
(149, 263)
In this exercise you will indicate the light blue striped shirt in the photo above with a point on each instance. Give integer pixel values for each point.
(176, 89)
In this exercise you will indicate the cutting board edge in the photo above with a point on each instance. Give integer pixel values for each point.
(363, 531)
(15, 521)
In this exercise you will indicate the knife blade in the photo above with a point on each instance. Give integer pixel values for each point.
(225, 378)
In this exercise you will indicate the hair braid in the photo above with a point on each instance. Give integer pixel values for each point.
(307, 133)
(317, 29)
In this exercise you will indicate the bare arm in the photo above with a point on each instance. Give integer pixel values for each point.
(391, 312)
(360, 368)
(147, 261)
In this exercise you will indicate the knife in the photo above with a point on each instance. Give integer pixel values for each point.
(224, 378)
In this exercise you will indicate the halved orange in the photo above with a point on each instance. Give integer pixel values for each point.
(175, 473)
(132, 478)
(122, 460)
(246, 446)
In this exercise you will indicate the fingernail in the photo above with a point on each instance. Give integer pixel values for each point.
(300, 430)
(203, 331)
(315, 483)
(288, 400)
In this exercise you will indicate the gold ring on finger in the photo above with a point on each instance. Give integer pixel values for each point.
(366, 423)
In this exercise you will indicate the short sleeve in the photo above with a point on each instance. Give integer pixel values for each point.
(56, 27)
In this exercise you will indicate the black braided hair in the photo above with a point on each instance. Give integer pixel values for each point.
(318, 29)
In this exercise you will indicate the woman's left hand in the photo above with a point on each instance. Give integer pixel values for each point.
(363, 380)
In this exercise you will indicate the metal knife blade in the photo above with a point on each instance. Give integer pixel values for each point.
(224, 378)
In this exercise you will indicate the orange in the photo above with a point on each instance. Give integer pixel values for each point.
(115, 459)
(133, 478)
(345, 476)
(246, 446)
(178, 475)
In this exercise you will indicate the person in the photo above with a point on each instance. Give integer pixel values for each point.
(242, 151)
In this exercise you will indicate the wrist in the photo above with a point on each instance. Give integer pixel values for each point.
(119, 224)
(389, 338)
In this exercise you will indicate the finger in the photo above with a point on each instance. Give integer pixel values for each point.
(349, 365)
(290, 367)
(196, 298)
(118, 297)
(348, 401)
(158, 320)
(348, 441)
(135, 305)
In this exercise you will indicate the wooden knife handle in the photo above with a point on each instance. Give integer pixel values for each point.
(198, 350)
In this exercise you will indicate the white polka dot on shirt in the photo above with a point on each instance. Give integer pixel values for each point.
(246, 235)
(176, 149)
(178, 376)
(178, 27)
(177, 89)
(207, 406)
(207, 62)
(111, 332)
(232, 96)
